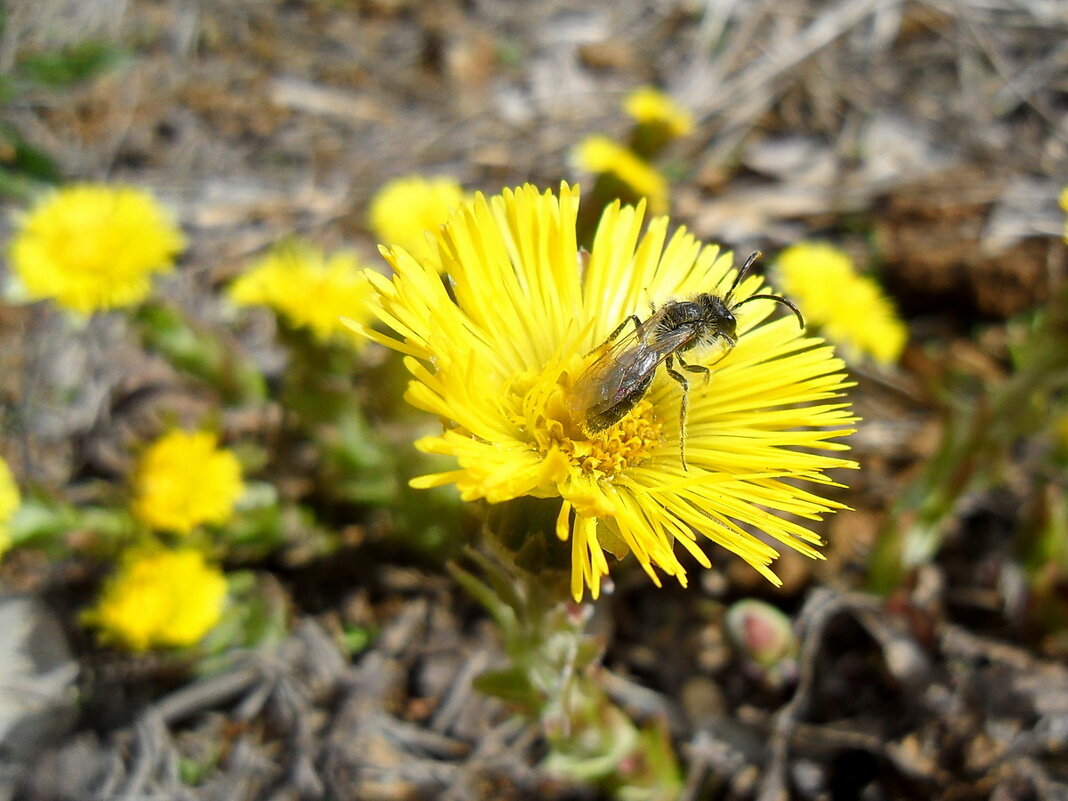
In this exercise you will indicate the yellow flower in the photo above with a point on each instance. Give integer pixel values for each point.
(183, 480)
(850, 308)
(599, 154)
(405, 209)
(496, 352)
(649, 106)
(9, 502)
(308, 288)
(1064, 205)
(159, 599)
(93, 247)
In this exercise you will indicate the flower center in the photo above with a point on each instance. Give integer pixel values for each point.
(604, 454)
(611, 451)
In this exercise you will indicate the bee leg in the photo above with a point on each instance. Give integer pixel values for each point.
(694, 368)
(669, 365)
(631, 318)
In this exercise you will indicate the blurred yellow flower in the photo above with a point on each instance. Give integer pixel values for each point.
(307, 288)
(9, 502)
(649, 106)
(159, 599)
(92, 247)
(405, 209)
(496, 352)
(183, 480)
(850, 308)
(1064, 205)
(599, 154)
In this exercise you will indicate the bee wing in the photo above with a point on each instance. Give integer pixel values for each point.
(626, 367)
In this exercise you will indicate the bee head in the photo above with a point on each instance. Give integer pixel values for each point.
(730, 305)
(718, 318)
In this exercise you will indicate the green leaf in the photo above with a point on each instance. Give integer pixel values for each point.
(23, 167)
(511, 685)
(357, 639)
(45, 524)
(7, 89)
(200, 352)
(70, 65)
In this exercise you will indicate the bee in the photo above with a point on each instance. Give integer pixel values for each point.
(619, 378)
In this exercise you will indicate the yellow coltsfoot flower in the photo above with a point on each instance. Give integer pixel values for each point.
(9, 502)
(1063, 200)
(93, 247)
(647, 105)
(496, 350)
(405, 209)
(851, 309)
(600, 155)
(159, 599)
(307, 288)
(184, 480)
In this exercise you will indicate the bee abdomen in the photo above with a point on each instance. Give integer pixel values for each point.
(598, 419)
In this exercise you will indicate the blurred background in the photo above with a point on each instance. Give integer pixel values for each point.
(924, 141)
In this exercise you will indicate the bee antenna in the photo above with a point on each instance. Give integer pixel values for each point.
(777, 299)
(742, 273)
